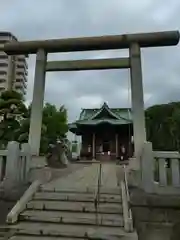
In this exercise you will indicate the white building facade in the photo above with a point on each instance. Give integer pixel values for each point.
(13, 69)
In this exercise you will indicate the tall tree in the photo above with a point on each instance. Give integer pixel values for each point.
(163, 126)
(54, 126)
(12, 111)
(55, 121)
(12, 105)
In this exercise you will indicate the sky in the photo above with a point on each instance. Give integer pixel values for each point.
(47, 19)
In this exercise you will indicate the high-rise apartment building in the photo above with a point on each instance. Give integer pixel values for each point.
(13, 69)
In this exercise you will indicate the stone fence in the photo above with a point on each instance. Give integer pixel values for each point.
(160, 171)
(14, 165)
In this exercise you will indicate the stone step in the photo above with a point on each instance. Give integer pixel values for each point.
(71, 218)
(18, 237)
(114, 208)
(41, 238)
(66, 230)
(3, 231)
(104, 190)
(58, 196)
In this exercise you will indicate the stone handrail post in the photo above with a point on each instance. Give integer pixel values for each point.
(17, 165)
(147, 167)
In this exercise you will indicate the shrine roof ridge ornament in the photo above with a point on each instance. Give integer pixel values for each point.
(153, 39)
(104, 106)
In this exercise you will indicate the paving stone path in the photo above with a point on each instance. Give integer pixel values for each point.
(86, 178)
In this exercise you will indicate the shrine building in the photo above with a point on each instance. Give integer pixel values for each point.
(106, 133)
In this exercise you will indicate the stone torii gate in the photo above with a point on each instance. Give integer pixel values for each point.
(134, 42)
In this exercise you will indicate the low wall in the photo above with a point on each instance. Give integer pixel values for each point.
(160, 171)
(156, 217)
(14, 169)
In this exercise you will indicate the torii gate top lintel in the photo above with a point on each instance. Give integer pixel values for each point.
(155, 39)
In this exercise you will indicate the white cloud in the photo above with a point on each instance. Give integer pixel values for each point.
(93, 101)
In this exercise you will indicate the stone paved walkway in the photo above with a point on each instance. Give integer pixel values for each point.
(86, 177)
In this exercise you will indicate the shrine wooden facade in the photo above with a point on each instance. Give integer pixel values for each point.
(106, 133)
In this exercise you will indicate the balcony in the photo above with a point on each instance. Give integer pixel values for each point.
(3, 72)
(20, 83)
(20, 89)
(3, 58)
(4, 39)
(2, 80)
(22, 61)
(20, 71)
(3, 63)
(25, 79)
(2, 89)
(21, 65)
(3, 84)
(21, 76)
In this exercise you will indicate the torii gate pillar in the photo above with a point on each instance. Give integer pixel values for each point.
(37, 102)
(139, 129)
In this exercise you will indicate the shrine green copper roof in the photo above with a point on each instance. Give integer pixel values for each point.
(118, 113)
(100, 121)
(117, 116)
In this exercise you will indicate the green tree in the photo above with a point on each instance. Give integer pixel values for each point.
(54, 126)
(56, 122)
(12, 105)
(12, 111)
(163, 126)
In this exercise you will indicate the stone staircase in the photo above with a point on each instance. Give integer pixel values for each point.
(3, 231)
(71, 214)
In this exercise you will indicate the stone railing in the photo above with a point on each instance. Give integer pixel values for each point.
(127, 214)
(3, 157)
(160, 171)
(98, 193)
(14, 164)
